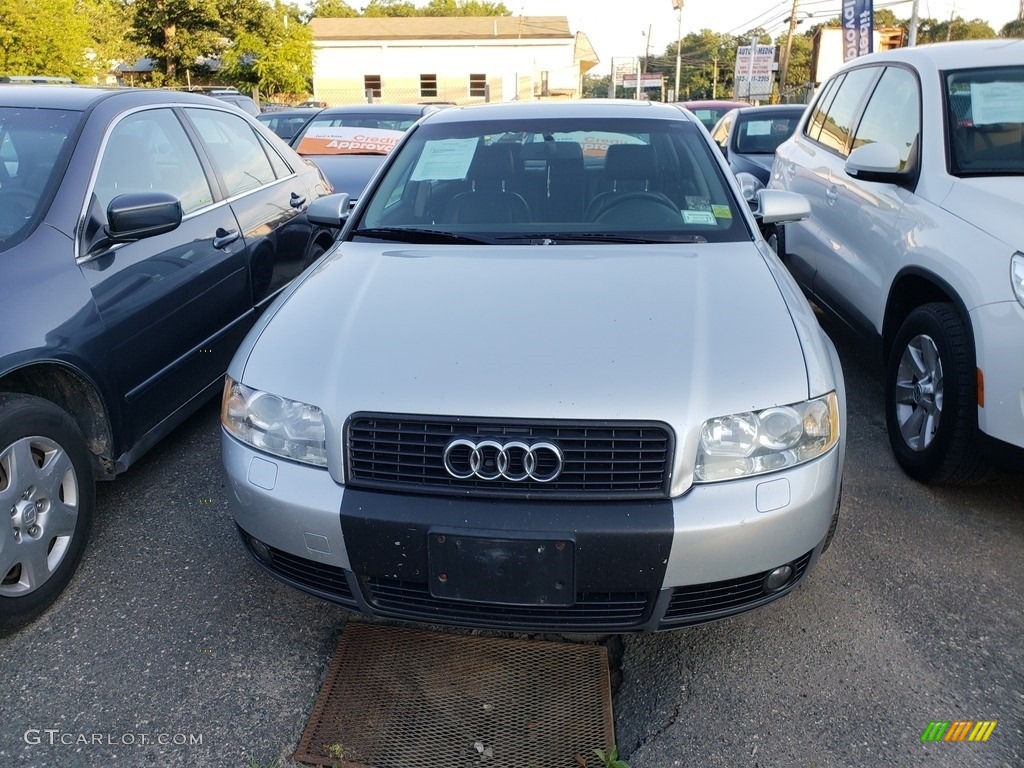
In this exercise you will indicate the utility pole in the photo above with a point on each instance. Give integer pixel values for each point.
(677, 5)
(912, 37)
(786, 51)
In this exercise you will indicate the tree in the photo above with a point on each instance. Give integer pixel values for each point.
(1013, 28)
(377, 8)
(932, 31)
(270, 48)
(109, 22)
(43, 37)
(178, 34)
(464, 8)
(330, 9)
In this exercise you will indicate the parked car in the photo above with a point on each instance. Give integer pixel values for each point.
(542, 383)
(748, 136)
(710, 111)
(141, 233)
(349, 143)
(913, 161)
(236, 99)
(287, 122)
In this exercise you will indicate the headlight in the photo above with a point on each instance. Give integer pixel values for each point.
(274, 424)
(1017, 276)
(752, 443)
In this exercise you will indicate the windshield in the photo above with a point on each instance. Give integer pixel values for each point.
(985, 118)
(555, 180)
(33, 152)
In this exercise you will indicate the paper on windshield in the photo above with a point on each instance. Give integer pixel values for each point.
(445, 159)
(997, 103)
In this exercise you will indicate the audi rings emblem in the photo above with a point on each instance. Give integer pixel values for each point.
(493, 460)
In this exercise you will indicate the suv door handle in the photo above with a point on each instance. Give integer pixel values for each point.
(224, 237)
(832, 194)
(297, 201)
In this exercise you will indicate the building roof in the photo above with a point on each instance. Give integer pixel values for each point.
(442, 28)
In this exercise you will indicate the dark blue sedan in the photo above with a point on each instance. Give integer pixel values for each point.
(748, 136)
(141, 234)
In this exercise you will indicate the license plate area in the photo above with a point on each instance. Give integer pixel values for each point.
(528, 571)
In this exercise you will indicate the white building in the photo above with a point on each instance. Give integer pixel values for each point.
(460, 60)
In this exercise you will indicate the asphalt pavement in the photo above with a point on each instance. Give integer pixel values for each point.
(170, 648)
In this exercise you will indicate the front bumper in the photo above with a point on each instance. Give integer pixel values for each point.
(998, 330)
(622, 566)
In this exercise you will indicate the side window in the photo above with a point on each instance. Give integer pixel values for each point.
(235, 149)
(151, 151)
(721, 131)
(817, 120)
(835, 131)
(893, 113)
(281, 168)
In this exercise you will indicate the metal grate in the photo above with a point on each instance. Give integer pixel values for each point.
(402, 698)
(701, 602)
(608, 460)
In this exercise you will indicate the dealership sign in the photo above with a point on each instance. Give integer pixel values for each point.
(858, 28)
(753, 77)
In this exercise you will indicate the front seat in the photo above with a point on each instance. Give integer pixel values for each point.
(629, 170)
(489, 199)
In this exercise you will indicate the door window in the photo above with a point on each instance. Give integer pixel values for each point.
(150, 151)
(235, 149)
(893, 113)
(838, 123)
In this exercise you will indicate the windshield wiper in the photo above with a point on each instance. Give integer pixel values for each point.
(416, 235)
(558, 238)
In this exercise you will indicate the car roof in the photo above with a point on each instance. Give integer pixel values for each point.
(82, 97)
(374, 109)
(958, 54)
(713, 103)
(289, 112)
(532, 110)
(772, 109)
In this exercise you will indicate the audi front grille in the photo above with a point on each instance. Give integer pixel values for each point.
(606, 460)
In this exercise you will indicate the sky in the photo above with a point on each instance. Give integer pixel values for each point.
(620, 28)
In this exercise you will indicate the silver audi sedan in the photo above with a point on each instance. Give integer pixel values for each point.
(550, 378)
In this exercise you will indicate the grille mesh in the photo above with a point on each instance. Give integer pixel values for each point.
(699, 602)
(601, 610)
(604, 460)
(402, 698)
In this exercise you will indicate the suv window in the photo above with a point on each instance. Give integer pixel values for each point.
(985, 120)
(838, 123)
(893, 113)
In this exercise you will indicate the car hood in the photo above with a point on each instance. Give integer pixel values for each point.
(577, 332)
(993, 204)
(348, 173)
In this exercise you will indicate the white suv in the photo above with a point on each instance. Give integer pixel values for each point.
(913, 162)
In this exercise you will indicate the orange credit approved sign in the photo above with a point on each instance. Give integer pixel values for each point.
(342, 140)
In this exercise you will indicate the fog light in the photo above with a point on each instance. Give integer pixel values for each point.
(262, 551)
(778, 578)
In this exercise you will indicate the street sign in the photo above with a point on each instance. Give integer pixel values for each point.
(754, 83)
(649, 80)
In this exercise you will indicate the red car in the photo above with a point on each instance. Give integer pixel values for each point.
(711, 111)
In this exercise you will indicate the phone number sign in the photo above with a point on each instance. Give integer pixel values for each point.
(755, 82)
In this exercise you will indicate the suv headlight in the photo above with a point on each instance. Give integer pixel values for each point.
(274, 424)
(752, 443)
(1017, 276)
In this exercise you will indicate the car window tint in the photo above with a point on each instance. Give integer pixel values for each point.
(892, 114)
(150, 151)
(762, 136)
(281, 168)
(235, 149)
(835, 131)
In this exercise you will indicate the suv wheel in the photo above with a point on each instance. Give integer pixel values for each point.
(47, 496)
(931, 400)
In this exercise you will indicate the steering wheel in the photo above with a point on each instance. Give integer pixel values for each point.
(639, 208)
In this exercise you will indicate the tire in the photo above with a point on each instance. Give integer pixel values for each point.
(931, 398)
(316, 250)
(47, 497)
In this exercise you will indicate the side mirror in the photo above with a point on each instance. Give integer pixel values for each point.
(879, 161)
(331, 210)
(777, 206)
(138, 215)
